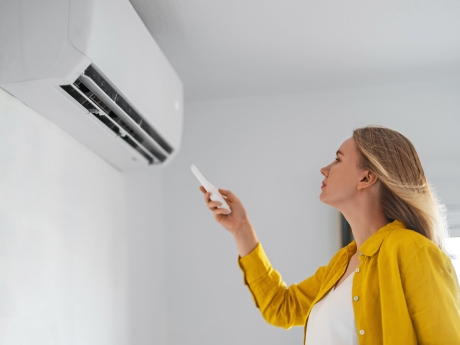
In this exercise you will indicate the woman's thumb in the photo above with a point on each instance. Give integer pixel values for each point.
(226, 193)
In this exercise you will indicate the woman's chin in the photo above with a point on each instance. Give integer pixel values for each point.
(322, 198)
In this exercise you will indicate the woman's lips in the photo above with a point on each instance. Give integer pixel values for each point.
(323, 185)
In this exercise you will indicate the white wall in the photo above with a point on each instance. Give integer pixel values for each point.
(63, 252)
(147, 258)
(269, 151)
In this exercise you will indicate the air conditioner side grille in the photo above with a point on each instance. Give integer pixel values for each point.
(97, 96)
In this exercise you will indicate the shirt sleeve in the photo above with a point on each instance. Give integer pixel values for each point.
(433, 297)
(280, 305)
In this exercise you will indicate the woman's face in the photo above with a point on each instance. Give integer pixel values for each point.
(342, 176)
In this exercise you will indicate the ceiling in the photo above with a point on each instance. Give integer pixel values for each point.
(240, 48)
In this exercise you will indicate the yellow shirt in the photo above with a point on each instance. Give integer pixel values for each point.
(405, 290)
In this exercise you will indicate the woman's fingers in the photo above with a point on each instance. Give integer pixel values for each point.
(223, 211)
(213, 204)
(225, 192)
(206, 194)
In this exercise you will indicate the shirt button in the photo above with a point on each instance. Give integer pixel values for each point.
(361, 332)
(361, 253)
(357, 270)
(356, 298)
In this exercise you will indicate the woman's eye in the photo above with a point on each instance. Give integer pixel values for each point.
(337, 160)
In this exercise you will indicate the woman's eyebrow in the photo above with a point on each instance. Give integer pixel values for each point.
(338, 151)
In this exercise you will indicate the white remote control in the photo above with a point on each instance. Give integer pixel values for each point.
(215, 195)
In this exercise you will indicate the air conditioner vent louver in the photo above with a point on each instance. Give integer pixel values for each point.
(110, 91)
(96, 94)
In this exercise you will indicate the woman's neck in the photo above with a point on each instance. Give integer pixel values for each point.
(365, 217)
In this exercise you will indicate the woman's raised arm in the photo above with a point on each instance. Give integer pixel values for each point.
(279, 305)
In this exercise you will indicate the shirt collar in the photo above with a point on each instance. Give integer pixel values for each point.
(372, 244)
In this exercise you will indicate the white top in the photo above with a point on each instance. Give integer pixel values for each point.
(332, 320)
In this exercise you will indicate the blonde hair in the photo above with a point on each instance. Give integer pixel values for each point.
(405, 193)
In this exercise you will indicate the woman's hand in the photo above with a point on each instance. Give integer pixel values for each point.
(234, 221)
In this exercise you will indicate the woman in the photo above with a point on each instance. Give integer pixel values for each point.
(402, 288)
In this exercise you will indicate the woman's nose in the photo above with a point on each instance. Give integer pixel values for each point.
(323, 171)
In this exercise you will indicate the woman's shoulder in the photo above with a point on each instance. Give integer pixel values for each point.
(408, 237)
(407, 243)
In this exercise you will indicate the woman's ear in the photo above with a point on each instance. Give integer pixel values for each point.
(368, 178)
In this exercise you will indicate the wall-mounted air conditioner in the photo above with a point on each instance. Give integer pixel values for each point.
(92, 68)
